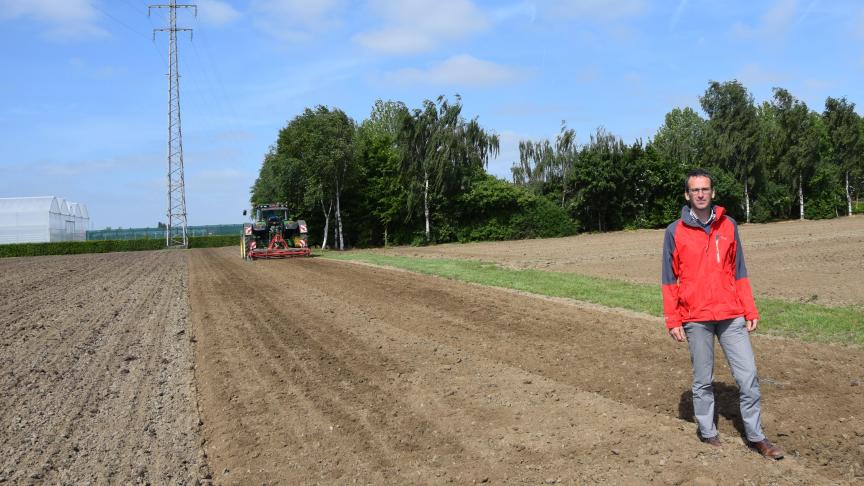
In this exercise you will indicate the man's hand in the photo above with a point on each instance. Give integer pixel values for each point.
(752, 325)
(679, 335)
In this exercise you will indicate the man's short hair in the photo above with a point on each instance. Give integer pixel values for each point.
(697, 173)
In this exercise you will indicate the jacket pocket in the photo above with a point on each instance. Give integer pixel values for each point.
(686, 298)
(727, 301)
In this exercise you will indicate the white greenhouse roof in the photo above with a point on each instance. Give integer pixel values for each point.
(29, 205)
(42, 219)
(75, 210)
(64, 206)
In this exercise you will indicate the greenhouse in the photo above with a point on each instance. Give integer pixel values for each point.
(42, 219)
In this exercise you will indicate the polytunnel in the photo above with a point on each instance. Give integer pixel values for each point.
(41, 219)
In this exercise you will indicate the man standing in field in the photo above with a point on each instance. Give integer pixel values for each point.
(706, 293)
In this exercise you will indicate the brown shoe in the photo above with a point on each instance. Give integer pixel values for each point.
(713, 441)
(767, 449)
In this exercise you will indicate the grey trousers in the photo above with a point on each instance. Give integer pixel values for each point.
(735, 341)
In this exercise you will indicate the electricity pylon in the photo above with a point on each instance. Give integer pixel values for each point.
(175, 229)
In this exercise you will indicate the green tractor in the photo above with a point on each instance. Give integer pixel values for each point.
(274, 234)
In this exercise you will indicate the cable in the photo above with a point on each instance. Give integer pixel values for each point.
(115, 19)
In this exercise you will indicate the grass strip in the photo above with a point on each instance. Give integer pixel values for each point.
(807, 321)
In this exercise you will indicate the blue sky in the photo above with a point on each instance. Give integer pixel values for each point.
(83, 95)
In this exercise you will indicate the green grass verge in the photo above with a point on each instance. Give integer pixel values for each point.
(105, 246)
(806, 321)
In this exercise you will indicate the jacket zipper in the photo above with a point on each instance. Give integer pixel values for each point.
(717, 246)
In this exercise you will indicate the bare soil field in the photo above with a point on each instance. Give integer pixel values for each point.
(186, 367)
(315, 371)
(816, 261)
(97, 372)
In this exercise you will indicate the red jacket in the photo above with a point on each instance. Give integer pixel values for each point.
(704, 276)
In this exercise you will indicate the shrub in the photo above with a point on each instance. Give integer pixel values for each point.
(106, 246)
(214, 241)
(494, 209)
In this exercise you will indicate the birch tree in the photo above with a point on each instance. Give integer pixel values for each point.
(797, 142)
(845, 143)
(543, 167)
(439, 149)
(310, 167)
(532, 169)
(332, 152)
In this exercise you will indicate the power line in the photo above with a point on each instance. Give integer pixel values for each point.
(214, 82)
(115, 19)
(130, 28)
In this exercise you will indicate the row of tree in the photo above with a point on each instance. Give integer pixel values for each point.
(413, 176)
(777, 160)
(400, 176)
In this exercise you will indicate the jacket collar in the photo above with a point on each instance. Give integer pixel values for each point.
(690, 220)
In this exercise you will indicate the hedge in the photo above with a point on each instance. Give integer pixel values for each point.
(105, 246)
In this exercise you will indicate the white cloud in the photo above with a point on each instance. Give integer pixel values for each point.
(216, 12)
(301, 12)
(461, 70)
(66, 19)
(413, 26)
(779, 18)
(55, 11)
(515, 11)
(774, 24)
(593, 9)
(297, 20)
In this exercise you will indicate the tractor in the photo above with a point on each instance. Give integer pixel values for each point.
(273, 234)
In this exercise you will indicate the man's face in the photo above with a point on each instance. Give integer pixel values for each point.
(699, 192)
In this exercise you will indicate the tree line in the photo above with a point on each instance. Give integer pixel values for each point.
(415, 176)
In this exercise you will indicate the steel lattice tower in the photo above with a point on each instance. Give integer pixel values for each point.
(175, 229)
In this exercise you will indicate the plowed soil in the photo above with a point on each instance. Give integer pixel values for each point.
(184, 367)
(97, 372)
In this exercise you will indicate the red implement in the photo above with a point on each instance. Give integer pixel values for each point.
(278, 248)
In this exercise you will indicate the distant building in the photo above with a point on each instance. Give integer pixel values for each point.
(42, 219)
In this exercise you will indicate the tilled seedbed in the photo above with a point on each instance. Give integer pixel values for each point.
(329, 372)
(97, 373)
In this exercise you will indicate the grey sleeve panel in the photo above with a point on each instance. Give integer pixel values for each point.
(740, 267)
(668, 273)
